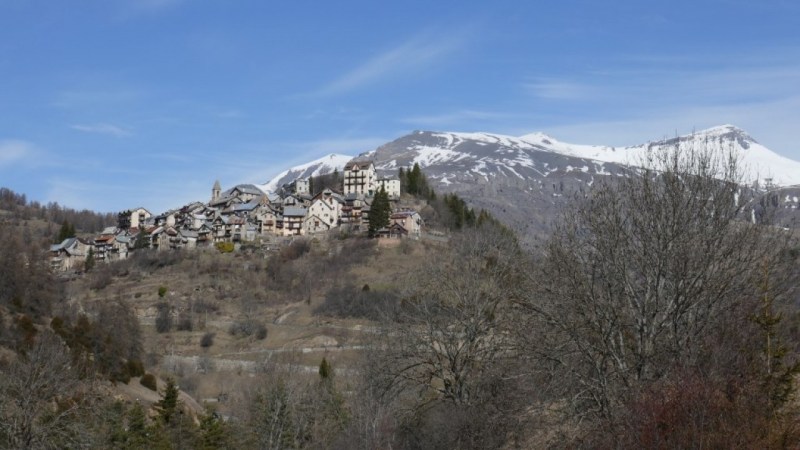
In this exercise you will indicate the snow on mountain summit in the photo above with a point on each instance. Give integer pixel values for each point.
(467, 155)
(758, 161)
(321, 166)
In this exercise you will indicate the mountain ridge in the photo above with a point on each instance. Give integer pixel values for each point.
(762, 162)
(319, 166)
(524, 181)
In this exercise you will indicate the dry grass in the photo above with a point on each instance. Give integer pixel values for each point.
(216, 290)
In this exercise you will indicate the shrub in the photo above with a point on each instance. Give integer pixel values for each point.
(151, 259)
(225, 247)
(149, 381)
(101, 279)
(295, 250)
(162, 291)
(57, 323)
(163, 318)
(204, 365)
(26, 330)
(120, 374)
(406, 246)
(207, 340)
(185, 323)
(364, 302)
(248, 327)
(205, 306)
(135, 367)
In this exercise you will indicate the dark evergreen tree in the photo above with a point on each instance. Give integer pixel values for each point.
(379, 212)
(414, 182)
(325, 369)
(141, 239)
(413, 177)
(401, 174)
(89, 264)
(168, 405)
(214, 434)
(67, 231)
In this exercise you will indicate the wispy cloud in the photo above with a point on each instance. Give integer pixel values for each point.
(411, 56)
(231, 114)
(13, 151)
(769, 122)
(667, 80)
(554, 89)
(92, 98)
(104, 128)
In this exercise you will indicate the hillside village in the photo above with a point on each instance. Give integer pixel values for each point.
(245, 213)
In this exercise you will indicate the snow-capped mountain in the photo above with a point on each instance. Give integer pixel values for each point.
(485, 154)
(758, 162)
(320, 166)
(524, 180)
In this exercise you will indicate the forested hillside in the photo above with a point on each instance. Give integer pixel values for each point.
(16, 206)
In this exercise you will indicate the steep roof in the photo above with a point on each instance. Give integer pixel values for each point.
(294, 212)
(66, 243)
(403, 214)
(245, 189)
(131, 211)
(359, 162)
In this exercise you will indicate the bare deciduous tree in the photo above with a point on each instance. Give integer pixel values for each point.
(643, 275)
(42, 400)
(452, 323)
(448, 353)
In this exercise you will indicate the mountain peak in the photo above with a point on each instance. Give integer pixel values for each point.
(726, 131)
(320, 166)
(538, 137)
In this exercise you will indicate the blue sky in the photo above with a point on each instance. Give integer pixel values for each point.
(113, 104)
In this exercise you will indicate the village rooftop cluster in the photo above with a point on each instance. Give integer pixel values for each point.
(245, 213)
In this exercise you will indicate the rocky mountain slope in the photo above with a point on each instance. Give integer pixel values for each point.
(523, 180)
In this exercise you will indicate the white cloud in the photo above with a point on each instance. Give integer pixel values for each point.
(231, 114)
(13, 151)
(772, 123)
(553, 89)
(103, 128)
(411, 56)
(630, 103)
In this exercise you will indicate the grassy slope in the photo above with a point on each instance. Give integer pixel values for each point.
(234, 284)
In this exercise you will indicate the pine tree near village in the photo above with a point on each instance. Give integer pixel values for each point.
(67, 231)
(379, 212)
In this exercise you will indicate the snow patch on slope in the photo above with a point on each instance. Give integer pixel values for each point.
(321, 166)
(427, 156)
(757, 161)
